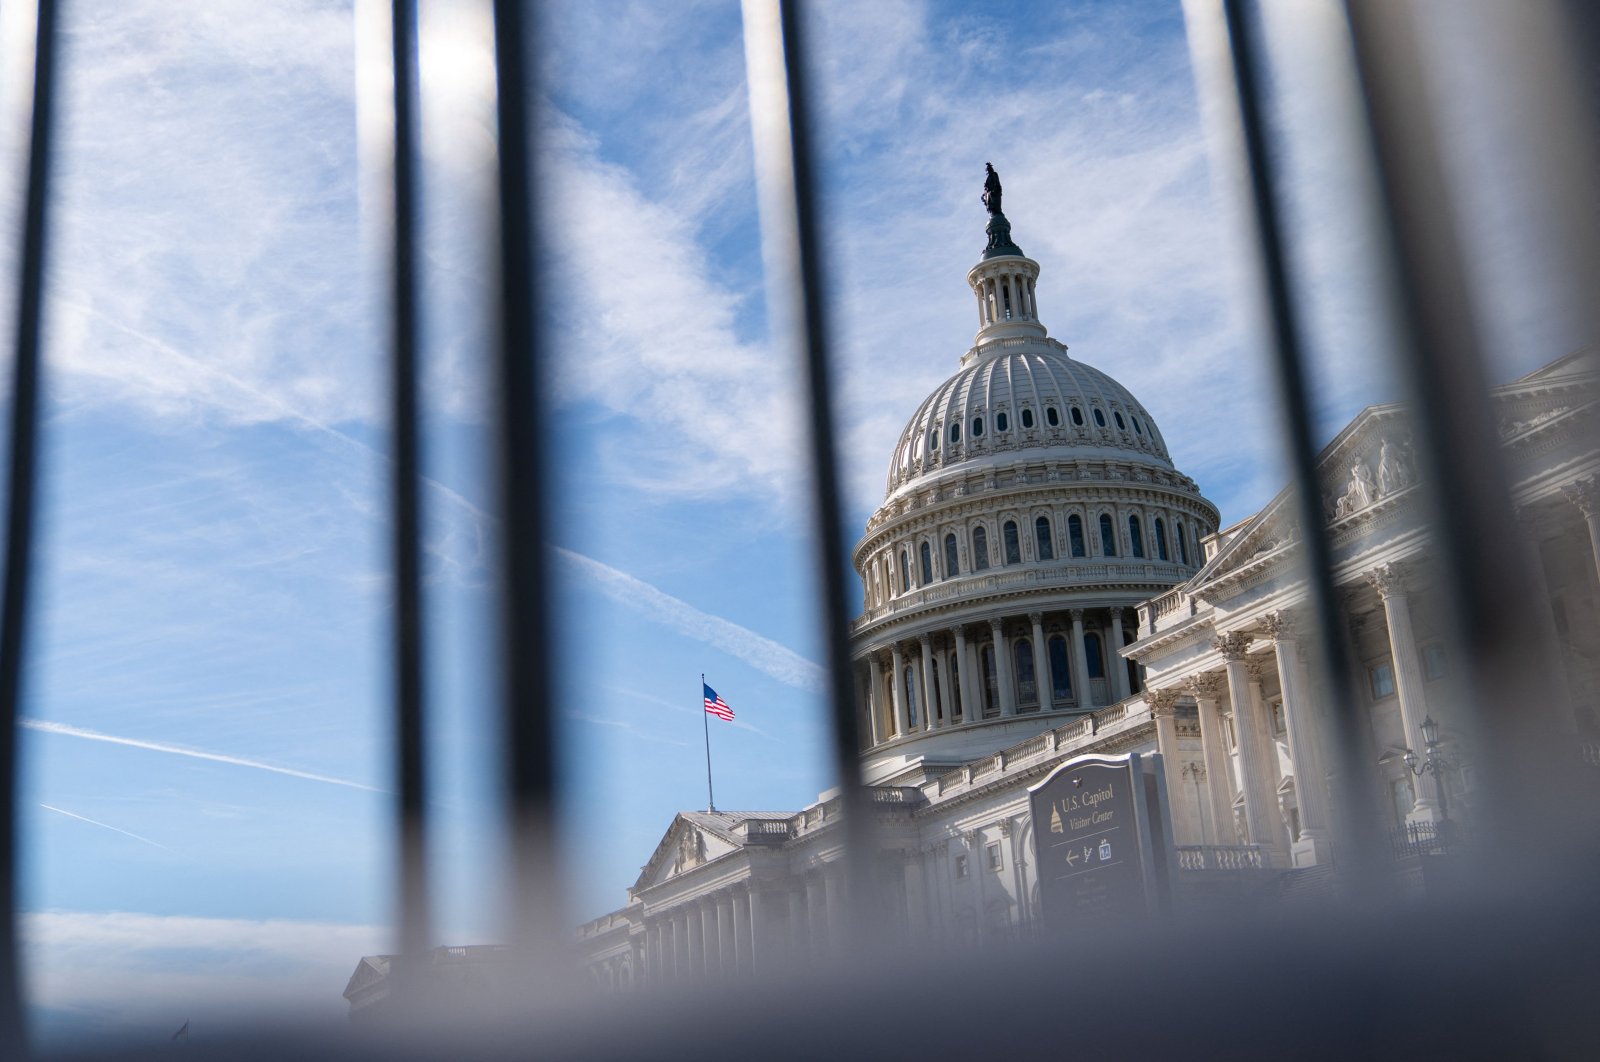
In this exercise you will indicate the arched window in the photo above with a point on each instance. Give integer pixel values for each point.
(959, 706)
(936, 708)
(1099, 418)
(1022, 658)
(1075, 535)
(1091, 649)
(927, 565)
(977, 427)
(933, 439)
(1013, 547)
(911, 696)
(1077, 416)
(1121, 424)
(955, 433)
(1027, 418)
(1060, 669)
(991, 685)
(1108, 536)
(1183, 544)
(980, 549)
(1041, 539)
(905, 572)
(1161, 540)
(952, 563)
(1137, 427)
(1135, 536)
(1051, 417)
(1001, 423)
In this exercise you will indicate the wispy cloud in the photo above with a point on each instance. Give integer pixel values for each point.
(103, 825)
(759, 651)
(63, 730)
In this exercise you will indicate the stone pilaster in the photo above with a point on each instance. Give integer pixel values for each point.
(1041, 662)
(1080, 663)
(930, 716)
(902, 717)
(1208, 690)
(1261, 817)
(1115, 664)
(1002, 669)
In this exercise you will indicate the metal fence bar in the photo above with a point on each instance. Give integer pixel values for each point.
(774, 43)
(408, 648)
(528, 684)
(1360, 854)
(1484, 584)
(20, 496)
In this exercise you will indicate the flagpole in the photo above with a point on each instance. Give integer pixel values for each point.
(711, 800)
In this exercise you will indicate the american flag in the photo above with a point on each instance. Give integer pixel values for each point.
(716, 706)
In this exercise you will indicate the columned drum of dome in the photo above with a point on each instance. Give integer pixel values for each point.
(1030, 505)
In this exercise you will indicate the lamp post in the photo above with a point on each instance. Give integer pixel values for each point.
(1433, 763)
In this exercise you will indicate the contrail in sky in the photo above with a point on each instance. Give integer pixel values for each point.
(103, 825)
(761, 653)
(192, 753)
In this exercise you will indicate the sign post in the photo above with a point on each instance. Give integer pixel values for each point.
(1103, 841)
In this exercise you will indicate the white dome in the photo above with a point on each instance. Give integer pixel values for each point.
(1035, 397)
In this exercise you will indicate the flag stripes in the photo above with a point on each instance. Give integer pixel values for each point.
(716, 706)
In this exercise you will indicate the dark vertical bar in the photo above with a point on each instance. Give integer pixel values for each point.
(22, 487)
(828, 517)
(1439, 353)
(1360, 854)
(526, 692)
(406, 470)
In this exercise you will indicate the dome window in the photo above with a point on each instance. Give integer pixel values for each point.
(1027, 418)
(1051, 416)
(952, 561)
(980, 549)
(1137, 426)
(1041, 539)
(927, 565)
(1013, 546)
(955, 433)
(933, 439)
(1099, 419)
(1122, 425)
(1108, 537)
(1077, 417)
(977, 427)
(1001, 422)
(1075, 535)
(905, 572)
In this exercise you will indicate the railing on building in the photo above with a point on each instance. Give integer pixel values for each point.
(1220, 857)
(1427, 838)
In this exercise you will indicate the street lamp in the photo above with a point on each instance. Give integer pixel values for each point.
(1435, 764)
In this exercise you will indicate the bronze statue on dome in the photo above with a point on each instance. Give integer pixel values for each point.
(991, 189)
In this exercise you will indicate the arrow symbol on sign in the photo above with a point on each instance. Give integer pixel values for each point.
(1072, 859)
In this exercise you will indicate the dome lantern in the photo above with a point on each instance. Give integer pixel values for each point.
(1004, 279)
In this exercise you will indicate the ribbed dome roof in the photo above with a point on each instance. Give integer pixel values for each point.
(1035, 398)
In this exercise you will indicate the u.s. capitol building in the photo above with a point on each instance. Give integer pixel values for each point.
(1041, 583)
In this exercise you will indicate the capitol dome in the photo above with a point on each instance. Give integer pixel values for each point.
(1031, 505)
(1011, 400)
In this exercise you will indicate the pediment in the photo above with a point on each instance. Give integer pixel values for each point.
(685, 846)
(1260, 535)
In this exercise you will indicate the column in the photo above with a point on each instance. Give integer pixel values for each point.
(741, 928)
(727, 956)
(1080, 662)
(1267, 749)
(799, 924)
(1163, 708)
(1310, 787)
(1549, 638)
(1585, 494)
(816, 920)
(1114, 661)
(929, 722)
(1207, 690)
(1002, 669)
(964, 675)
(1260, 803)
(758, 928)
(694, 925)
(875, 698)
(902, 721)
(652, 951)
(1041, 662)
(1390, 584)
(710, 942)
(833, 900)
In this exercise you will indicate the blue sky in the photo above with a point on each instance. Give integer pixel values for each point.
(213, 588)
